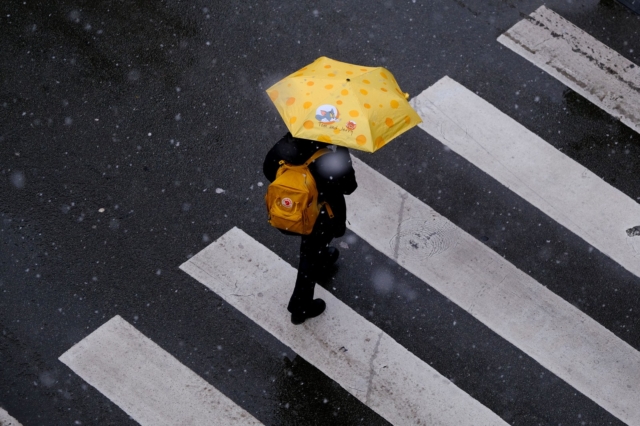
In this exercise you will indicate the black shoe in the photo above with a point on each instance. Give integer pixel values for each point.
(314, 309)
(330, 256)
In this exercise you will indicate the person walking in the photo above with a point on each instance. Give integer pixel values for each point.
(335, 177)
(335, 104)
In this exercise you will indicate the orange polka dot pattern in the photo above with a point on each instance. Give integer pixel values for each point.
(349, 105)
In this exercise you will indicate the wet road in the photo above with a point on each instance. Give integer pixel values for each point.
(132, 135)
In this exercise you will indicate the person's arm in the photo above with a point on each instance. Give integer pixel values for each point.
(271, 165)
(348, 181)
(339, 209)
(272, 160)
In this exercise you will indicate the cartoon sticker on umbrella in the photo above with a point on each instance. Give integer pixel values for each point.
(327, 114)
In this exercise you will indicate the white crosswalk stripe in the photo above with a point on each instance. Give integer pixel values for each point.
(359, 356)
(7, 420)
(148, 383)
(553, 332)
(523, 162)
(579, 61)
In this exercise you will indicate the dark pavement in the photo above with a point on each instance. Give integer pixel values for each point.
(132, 134)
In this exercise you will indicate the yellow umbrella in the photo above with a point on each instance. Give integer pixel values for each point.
(343, 104)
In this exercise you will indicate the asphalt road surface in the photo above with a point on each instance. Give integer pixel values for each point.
(132, 135)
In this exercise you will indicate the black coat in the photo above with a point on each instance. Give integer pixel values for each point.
(333, 172)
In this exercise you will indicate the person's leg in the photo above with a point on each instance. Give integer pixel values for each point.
(315, 248)
(312, 249)
(303, 290)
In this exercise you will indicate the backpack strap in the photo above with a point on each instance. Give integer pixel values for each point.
(316, 155)
(328, 207)
(319, 153)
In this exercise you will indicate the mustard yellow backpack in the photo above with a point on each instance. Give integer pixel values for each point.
(292, 198)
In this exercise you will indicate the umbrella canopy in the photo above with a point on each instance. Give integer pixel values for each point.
(350, 105)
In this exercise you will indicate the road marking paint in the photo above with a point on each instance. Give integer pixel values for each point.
(523, 162)
(579, 61)
(550, 330)
(359, 356)
(7, 420)
(147, 382)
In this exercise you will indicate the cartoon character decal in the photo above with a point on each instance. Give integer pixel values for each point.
(351, 125)
(327, 114)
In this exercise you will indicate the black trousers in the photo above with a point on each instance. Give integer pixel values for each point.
(312, 259)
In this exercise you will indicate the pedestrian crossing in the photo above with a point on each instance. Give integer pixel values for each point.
(364, 360)
(508, 301)
(154, 388)
(579, 61)
(557, 185)
(148, 383)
